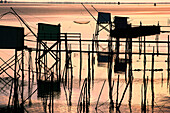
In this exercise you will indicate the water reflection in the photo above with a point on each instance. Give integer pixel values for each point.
(44, 90)
(48, 91)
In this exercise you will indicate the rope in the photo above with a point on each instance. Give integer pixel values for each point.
(2, 15)
(27, 15)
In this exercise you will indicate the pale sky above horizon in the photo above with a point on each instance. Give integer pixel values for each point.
(92, 0)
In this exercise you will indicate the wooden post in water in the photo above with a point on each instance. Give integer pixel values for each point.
(130, 73)
(144, 80)
(123, 94)
(50, 101)
(57, 59)
(84, 87)
(45, 63)
(93, 61)
(22, 93)
(36, 59)
(157, 44)
(15, 85)
(87, 103)
(110, 62)
(80, 63)
(84, 98)
(100, 95)
(139, 47)
(52, 92)
(126, 58)
(117, 93)
(168, 59)
(71, 85)
(117, 49)
(39, 63)
(162, 79)
(29, 75)
(60, 60)
(68, 67)
(141, 98)
(152, 80)
(169, 88)
(89, 76)
(66, 48)
(10, 94)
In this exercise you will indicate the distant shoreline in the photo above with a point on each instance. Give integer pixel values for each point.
(91, 2)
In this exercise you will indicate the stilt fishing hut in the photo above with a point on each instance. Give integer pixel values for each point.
(103, 23)
(13, 38)
(44, 69)
(123, 30)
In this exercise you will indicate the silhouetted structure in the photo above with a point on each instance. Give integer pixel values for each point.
(49, 76)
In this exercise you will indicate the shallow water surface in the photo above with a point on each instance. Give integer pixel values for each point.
(66, 14)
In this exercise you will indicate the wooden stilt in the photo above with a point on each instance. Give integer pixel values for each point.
(152, 80)
(117, 92)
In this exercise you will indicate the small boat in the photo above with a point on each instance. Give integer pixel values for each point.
(81, 22)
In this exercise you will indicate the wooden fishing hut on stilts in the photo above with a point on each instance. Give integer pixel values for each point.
(13, 38)
(44, 70)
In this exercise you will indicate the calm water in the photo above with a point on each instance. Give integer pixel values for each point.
(65, 15)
